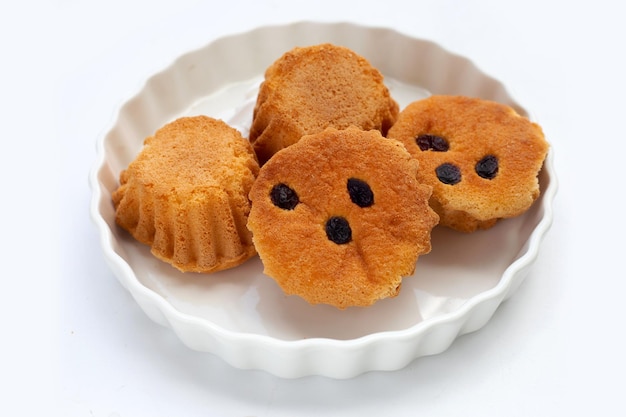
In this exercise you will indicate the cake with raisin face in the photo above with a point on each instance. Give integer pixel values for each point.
(311, 88)
(186, 195)
(481, 158)
(339, 217)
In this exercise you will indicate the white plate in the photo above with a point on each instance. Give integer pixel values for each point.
(241, 315)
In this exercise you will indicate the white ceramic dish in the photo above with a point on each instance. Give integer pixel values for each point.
(241, 315)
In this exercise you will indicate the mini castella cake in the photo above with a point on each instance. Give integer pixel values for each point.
(339, 217)
(311, 88)
(186, 195)
(481, 158)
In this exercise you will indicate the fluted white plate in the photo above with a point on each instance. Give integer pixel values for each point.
(241, 315)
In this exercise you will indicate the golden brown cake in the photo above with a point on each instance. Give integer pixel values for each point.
(311, 88)
(186, 195)
(481, 158)
(339, 218)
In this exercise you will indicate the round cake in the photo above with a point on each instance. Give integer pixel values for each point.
(186, 195)
(339, 218)
(311, 88)
(481, 158)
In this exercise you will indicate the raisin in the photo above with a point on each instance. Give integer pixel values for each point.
(434, 142)
(284, 197)
(338, 230)
(487, 167)
(448, 173)
(360, 192)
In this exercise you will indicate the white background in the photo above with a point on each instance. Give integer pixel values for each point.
(75, 343)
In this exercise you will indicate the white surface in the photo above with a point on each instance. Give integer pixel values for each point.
(75, 342)
(242, 316)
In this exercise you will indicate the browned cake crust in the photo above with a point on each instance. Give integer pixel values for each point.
(343, 179)
(311, 88)
(494, 154)
(186, 195)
